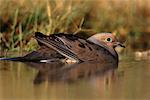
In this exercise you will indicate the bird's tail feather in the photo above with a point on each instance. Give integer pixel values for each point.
(12, 59)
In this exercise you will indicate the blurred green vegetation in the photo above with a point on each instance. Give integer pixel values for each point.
(19, 19)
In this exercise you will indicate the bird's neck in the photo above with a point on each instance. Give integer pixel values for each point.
(102, 44)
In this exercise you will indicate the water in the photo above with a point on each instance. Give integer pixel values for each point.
(34, 81)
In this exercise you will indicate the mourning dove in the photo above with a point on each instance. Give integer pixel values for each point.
(99, 47)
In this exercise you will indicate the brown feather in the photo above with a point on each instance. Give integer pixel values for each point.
(84, 50)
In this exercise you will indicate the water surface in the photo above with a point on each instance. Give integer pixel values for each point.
(44, 82)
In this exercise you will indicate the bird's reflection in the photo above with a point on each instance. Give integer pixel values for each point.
(57, 71)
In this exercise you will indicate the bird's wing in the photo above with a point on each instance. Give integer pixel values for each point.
(43, 53)
(55, 42)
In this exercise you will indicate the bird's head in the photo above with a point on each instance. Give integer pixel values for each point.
(106, 39)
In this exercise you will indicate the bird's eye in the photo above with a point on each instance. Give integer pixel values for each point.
(109, 39)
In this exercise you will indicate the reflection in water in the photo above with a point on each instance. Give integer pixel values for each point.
(88, 81)
(16, 80)
(68, 73)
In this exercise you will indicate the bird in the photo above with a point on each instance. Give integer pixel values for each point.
(71, 48)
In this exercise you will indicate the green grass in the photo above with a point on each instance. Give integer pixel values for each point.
(19, 19)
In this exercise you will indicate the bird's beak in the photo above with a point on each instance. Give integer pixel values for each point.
(116, 44)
